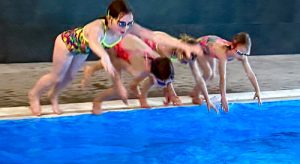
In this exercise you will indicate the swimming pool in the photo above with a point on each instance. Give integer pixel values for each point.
(188, 134)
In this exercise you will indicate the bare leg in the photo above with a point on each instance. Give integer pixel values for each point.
(88, 71)
(117, 91)
(76, 64)
(108, 94)
(61, 61)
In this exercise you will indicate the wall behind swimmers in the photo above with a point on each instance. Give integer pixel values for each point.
(28, 28)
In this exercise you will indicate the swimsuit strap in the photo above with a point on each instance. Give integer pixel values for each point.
(104, 37)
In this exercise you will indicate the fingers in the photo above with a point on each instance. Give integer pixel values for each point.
(125, 101)
(166, 103)
(225, 107)
(108, 67)
(124, 97)
(177, 103)
(258, 98)
(210, 105)
(215, 109)
(259, 101)
(254, 97)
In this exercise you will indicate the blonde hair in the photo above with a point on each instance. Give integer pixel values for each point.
(188, 39)
(242, 38)
(181, 56)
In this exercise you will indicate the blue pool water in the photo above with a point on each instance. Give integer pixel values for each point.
(247, 134)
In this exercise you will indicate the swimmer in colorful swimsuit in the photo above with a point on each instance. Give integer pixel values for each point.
(72, 47)
(214, 48)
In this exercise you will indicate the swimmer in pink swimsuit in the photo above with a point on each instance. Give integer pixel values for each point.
(216, 48)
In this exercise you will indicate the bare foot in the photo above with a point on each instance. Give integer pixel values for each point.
(34, 104)
(196, 99)
(134, 88)
(55, 106)
(97, 108)
(193, 94)
(87, 74)
(144, 103)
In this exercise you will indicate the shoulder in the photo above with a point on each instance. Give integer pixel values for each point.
(97, 25)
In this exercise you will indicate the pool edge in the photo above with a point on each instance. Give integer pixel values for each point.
(72, 109)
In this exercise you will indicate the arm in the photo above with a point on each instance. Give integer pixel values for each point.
(201, 84)
(92, 32)
(120, 87)
(164, 39)
(136, 81)
(171, 96)
(116, 79)
(135, 45)
(252, 78)
(222, 83)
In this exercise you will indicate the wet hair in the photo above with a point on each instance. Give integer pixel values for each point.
(162, 68)
(116, 8)
(241, 38)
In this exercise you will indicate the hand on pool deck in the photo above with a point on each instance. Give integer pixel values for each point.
(175, 100)
(171, 97)
(143, 102)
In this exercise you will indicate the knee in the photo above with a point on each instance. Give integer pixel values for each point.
(208, 75)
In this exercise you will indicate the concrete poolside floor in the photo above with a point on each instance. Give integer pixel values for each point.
(274, 72)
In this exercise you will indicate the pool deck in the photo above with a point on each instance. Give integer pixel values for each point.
(23, 112)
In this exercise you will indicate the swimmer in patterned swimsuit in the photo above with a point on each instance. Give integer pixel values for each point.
(216, 48)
